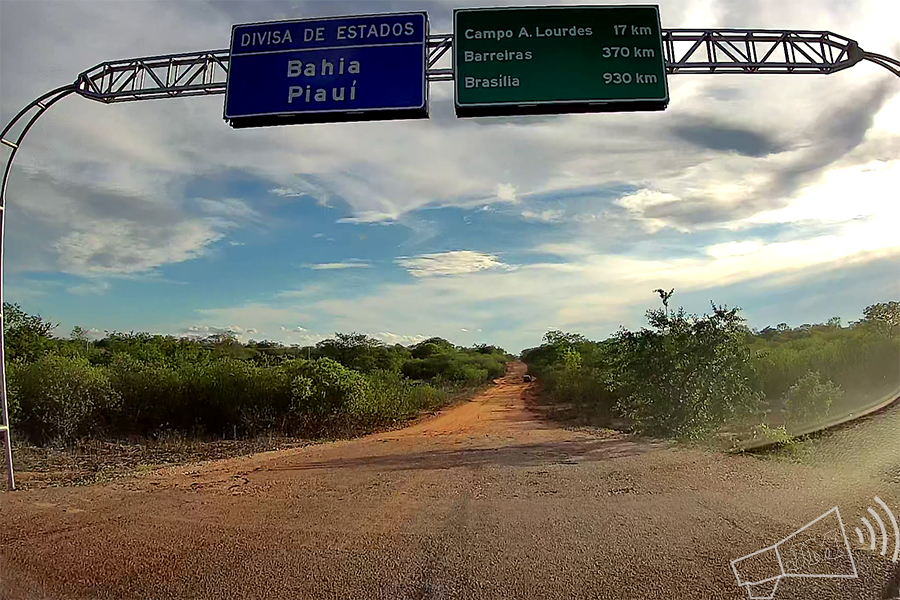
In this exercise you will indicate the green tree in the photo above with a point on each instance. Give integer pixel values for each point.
(425, 350)
(26, 337)
(883, 316)
(357, 351)
(572, 360)
(685, 376)
(664, 297)
(432, 346)
(558, 338)
(81, 336)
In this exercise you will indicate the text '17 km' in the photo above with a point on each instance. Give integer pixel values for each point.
(635, 30)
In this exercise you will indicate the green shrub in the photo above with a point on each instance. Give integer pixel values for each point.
(494, 364)
(454, 366)
(773, 435)
(326, 387)
(863, 363)
(229, 392)
(268, 399)
(385, 398)
(425, 350)
(428, 368)
(63, 398)
(422, 396)
(810, 398)
(465, 373)
(151, 397)
(141, 383)
(683, 377)
(13, 393)
(587, 389)
(687, 376)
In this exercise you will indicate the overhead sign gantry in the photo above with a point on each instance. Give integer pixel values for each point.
(256, 100)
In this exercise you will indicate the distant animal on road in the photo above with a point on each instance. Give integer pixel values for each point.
(527, 378)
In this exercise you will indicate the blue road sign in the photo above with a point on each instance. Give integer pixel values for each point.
(328, 70)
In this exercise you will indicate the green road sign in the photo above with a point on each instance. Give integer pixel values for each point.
(540, 60)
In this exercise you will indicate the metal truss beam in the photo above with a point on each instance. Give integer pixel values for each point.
(687, 51)
(174, 75)
(438, 46)
(758, 51)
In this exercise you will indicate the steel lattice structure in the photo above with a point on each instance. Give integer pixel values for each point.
(687, 51)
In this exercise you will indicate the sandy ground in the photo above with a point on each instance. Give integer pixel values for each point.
(485, 500)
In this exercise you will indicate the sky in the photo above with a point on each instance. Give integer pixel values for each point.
(774, 193)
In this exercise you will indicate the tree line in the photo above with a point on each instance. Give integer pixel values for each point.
(691, 376)
(141, 384)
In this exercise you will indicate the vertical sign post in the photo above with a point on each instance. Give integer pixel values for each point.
(355, 68)
(563, 59)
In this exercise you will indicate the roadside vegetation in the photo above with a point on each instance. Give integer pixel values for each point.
(130, 385)
(693, 377)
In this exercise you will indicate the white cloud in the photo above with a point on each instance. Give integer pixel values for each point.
(843, 195)
(733, 249)
(90, 287)
(455, 262)
(263, 316)
(228, 207)
(117, 247)
(304, 339)
(395, 338)
(370, 216)
(203, 330)
(591, 292)
(643, 199)
(565, 249)
(639, 202)
(302, 188)
(286, 192)
(20, 289)
(547, 216)
(506, 192)
(293, 330)
(351, 264)
(306, 291)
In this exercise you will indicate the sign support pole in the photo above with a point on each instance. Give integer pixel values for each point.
(41, 104)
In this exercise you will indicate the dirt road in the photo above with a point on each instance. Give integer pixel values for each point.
(482, 501)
